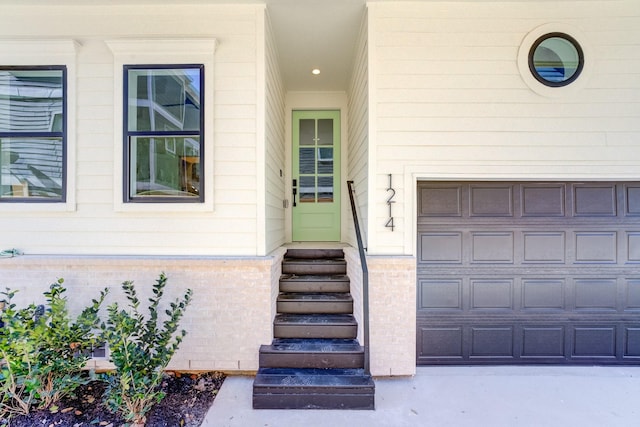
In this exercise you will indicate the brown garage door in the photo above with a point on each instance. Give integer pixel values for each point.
(528, 273)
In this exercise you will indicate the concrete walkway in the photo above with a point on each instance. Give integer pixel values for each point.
(463, 396)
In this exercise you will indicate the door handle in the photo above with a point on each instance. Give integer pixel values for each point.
(295, 191)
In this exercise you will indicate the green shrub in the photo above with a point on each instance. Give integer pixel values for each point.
(42, 351)
(140, 350)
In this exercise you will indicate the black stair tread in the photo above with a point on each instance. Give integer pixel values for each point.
(315, 319)
(314, 253)
(318, 345)
(314, 261)
(304, 296)
(334, 379)
(315, 277)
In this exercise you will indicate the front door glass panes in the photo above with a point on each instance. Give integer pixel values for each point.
(316, 165)
(164, 133)
(32, 133)
(307, 132)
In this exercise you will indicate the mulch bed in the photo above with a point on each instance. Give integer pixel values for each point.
(187, 401)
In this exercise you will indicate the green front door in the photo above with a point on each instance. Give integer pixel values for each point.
(316, 176)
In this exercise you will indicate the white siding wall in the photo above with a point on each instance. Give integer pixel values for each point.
(449, 100)
(275, 146)
(95, 227)
(358, 123)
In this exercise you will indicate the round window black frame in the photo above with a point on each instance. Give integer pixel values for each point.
(576, 46)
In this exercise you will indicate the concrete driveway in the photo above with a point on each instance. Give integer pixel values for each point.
(463, 396)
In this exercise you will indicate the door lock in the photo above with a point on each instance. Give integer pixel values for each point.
(295, 191)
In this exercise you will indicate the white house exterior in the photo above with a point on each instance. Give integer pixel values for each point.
(439, 92)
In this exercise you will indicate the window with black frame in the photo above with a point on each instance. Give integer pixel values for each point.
(33, 134)
(163, 133)
(556, 59)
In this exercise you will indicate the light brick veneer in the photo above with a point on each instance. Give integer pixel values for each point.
(392, 311)
(230, 316)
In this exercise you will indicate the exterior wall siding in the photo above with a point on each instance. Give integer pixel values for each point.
(275, 150)
(450, 100)
(93, 226)
(358, 107)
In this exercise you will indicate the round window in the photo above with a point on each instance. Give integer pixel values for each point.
(556, 59)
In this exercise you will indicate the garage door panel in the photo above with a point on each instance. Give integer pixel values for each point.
(633, 246)
(594, 341)
(596, 294)
(443, 342)
(491, 200)
(594, 247)
(492, 342)
(440, 294)
(540, 200)
(544, 247)
(492, 247)
(594, 200)
(543, 342)
(528, 273)
(632, 342)
(632, 289)
(633, 200)
(441, 201)
(441, 247)
(543, 294)
(491, 294)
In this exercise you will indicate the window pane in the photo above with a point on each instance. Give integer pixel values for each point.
(325, 132)
(307, 132)
(31, 100)
(164, 99)
(165, 166)
(307, 189)
(325, 160)
(307, 160)
(325, 189)
(31, 167)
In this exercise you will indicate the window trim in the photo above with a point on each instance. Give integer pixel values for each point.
(42, 134)
(162, 51)
(127, 134)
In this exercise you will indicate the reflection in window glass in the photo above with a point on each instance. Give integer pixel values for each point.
(32, 133)
(164, 99)
(307, 189)
(325, 160)
(307, 160)
(165, 133)
(556, 59)
(325, 189)
(165, 166)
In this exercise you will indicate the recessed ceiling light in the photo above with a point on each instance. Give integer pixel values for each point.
(315, 71)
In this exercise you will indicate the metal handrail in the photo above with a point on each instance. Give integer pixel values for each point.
(365, 280)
